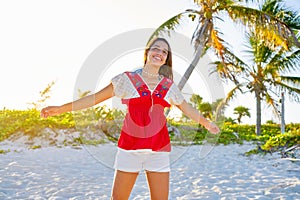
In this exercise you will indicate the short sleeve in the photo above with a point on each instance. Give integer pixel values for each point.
(174, 95)
(123, 87)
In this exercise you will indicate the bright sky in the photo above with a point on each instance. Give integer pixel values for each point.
(44, 41)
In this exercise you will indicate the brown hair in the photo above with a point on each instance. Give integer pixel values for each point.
(167, 72)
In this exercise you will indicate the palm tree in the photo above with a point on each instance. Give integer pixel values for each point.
(230, 120)
(269, 29)
(219, 114)
(241, 111)
(207, 35)
(207, 109)
(204, 107)
(270, 71)
(196, 100)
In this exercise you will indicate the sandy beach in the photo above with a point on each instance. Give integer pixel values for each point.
(198, 172)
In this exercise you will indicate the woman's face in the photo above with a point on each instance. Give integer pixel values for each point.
(158, 53)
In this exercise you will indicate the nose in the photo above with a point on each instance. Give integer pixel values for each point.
(159, 51)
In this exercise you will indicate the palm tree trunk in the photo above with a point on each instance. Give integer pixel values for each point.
(189, 71)
(191, 67)
(282, 114)
(258, 112)
(239, 119)
(205, 31)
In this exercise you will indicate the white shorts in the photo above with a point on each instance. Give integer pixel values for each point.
(138, 160)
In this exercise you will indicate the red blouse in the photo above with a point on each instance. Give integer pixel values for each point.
(145, 123)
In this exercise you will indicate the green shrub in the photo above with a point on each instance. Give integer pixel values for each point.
(287, 139)
(30, 123)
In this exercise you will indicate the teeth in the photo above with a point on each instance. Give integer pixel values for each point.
(157, 58)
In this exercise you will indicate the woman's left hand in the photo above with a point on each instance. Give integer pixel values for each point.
(213, 128)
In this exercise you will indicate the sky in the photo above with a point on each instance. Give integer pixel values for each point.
(44, 41)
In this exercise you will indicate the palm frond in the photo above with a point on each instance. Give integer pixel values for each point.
(284, 62)
(214, 3)
(225, 71)
(217, 43)
(278, 9)
(231, 66)
(293, 92)
(230, 95)
(273, 103)
(291, 62)
(275, 61)
(168, 26)
(268, 28)
(260, 52)
(291, 80)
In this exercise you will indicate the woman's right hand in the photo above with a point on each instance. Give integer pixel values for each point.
(50, 111)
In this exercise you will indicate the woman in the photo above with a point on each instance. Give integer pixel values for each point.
(144, 142)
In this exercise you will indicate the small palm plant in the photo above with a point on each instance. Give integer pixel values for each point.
(241, 111)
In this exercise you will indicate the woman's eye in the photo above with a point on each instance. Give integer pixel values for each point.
(159, 50)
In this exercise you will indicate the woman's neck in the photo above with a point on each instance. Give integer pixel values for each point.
(151, 69)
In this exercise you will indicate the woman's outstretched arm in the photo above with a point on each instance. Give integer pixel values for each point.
(79, 104)
(195, 115)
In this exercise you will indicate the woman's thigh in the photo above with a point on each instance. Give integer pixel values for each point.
(158, 184)
(123, 184)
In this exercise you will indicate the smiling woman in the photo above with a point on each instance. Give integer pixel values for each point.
(144, 142)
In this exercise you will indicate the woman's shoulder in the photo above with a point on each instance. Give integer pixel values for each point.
(137, 71)
(133, 72)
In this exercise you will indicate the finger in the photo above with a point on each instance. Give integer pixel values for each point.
(44, 109)
(42, 114)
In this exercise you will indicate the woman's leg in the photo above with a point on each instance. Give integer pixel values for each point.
(123, 184)
(158, 184)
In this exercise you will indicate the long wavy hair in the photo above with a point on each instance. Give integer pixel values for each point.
(166, 69)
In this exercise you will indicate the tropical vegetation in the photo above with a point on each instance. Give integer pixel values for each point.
(102, 125)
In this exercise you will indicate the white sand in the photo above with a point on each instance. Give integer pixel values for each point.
(86, 173)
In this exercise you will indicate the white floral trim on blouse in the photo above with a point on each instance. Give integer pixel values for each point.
(124, 89)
